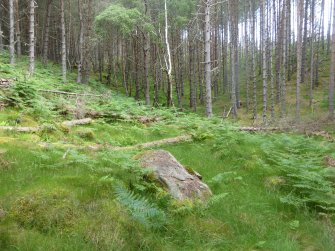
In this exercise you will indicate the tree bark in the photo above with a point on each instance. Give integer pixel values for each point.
(208, 73)
(11, 33)
(300, 9)
(332, 70)
(63, 40)
(17, 30)
(253, 59)
(32, 38)
(46, 34)
(264, 57)
(81, 43)
(146, 49)
(1, 32)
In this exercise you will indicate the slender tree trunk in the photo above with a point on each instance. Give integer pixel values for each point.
(304, 43)
(253, 59)
(11, 33)
(247, 71)
(312, 71)
(225, 50)
(1, 32)
(81, 43)
(32, 37)
(264, 65)
(146, 50)
(193, 97)
(63, 40)
(208, 72)
(283, 65)
(288, 40)
(46, 34)
(86, 63)
(300, 9)
(168, 61)
(17, 30)
(332, 70)
(136, 57)
(329, 26)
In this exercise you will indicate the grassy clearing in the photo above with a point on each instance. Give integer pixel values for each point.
(271, 191)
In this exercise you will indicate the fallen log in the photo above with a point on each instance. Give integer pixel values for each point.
(39, 128)
(77, 122)
(173, 140)
(69, 93)
(322, 134)
(96, 147)
(261, 129)
(124, 117)
(20, 129)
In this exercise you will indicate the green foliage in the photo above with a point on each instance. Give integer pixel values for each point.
(118, 16)
(22, 94)
(140, 208)
(307, 181)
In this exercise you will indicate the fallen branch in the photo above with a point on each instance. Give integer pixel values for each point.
(77, 122)
(39, 128)
(124, 117)
(20, 129)
(173, 140)
(323, 134)
(96, 147)
(262, 129)
(69, 93)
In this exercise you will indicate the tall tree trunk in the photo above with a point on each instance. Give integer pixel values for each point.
(208, 72)
(11, 33)
(1, 32)
(63, 40)
(304, 43)
(32, 37)
(312, 71)
(17, 30)
(284, 58)
(81, 43)
(168, 61)
(234, 8)
(264, 64)
(46, 34)
(329, 27)
(332, 71)
(253, 59)
(146, 49)
(225, 50)
(86, 67)
(191, 71)
(300, 9)
(247, 71)
(137, 56)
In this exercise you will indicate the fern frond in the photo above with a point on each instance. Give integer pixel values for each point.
(140, 208)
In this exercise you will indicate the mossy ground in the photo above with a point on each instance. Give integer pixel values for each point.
(56, 194)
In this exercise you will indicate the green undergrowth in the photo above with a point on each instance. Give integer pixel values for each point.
(59, 192)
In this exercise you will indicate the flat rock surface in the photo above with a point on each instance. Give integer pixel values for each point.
(178, 181)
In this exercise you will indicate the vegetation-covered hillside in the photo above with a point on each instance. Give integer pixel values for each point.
(78, 188)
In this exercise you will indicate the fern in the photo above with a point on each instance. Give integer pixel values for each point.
(140, 208)
(307, 182)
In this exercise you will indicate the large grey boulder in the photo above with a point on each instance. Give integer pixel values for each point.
(174, 177)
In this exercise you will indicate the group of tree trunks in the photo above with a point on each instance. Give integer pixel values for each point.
(211, 48)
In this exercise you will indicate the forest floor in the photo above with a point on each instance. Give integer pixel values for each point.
(79, 187)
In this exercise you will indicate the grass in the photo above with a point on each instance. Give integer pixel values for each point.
(59, 196)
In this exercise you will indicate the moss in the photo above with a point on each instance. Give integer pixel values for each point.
(45, 210)
(85, 133)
